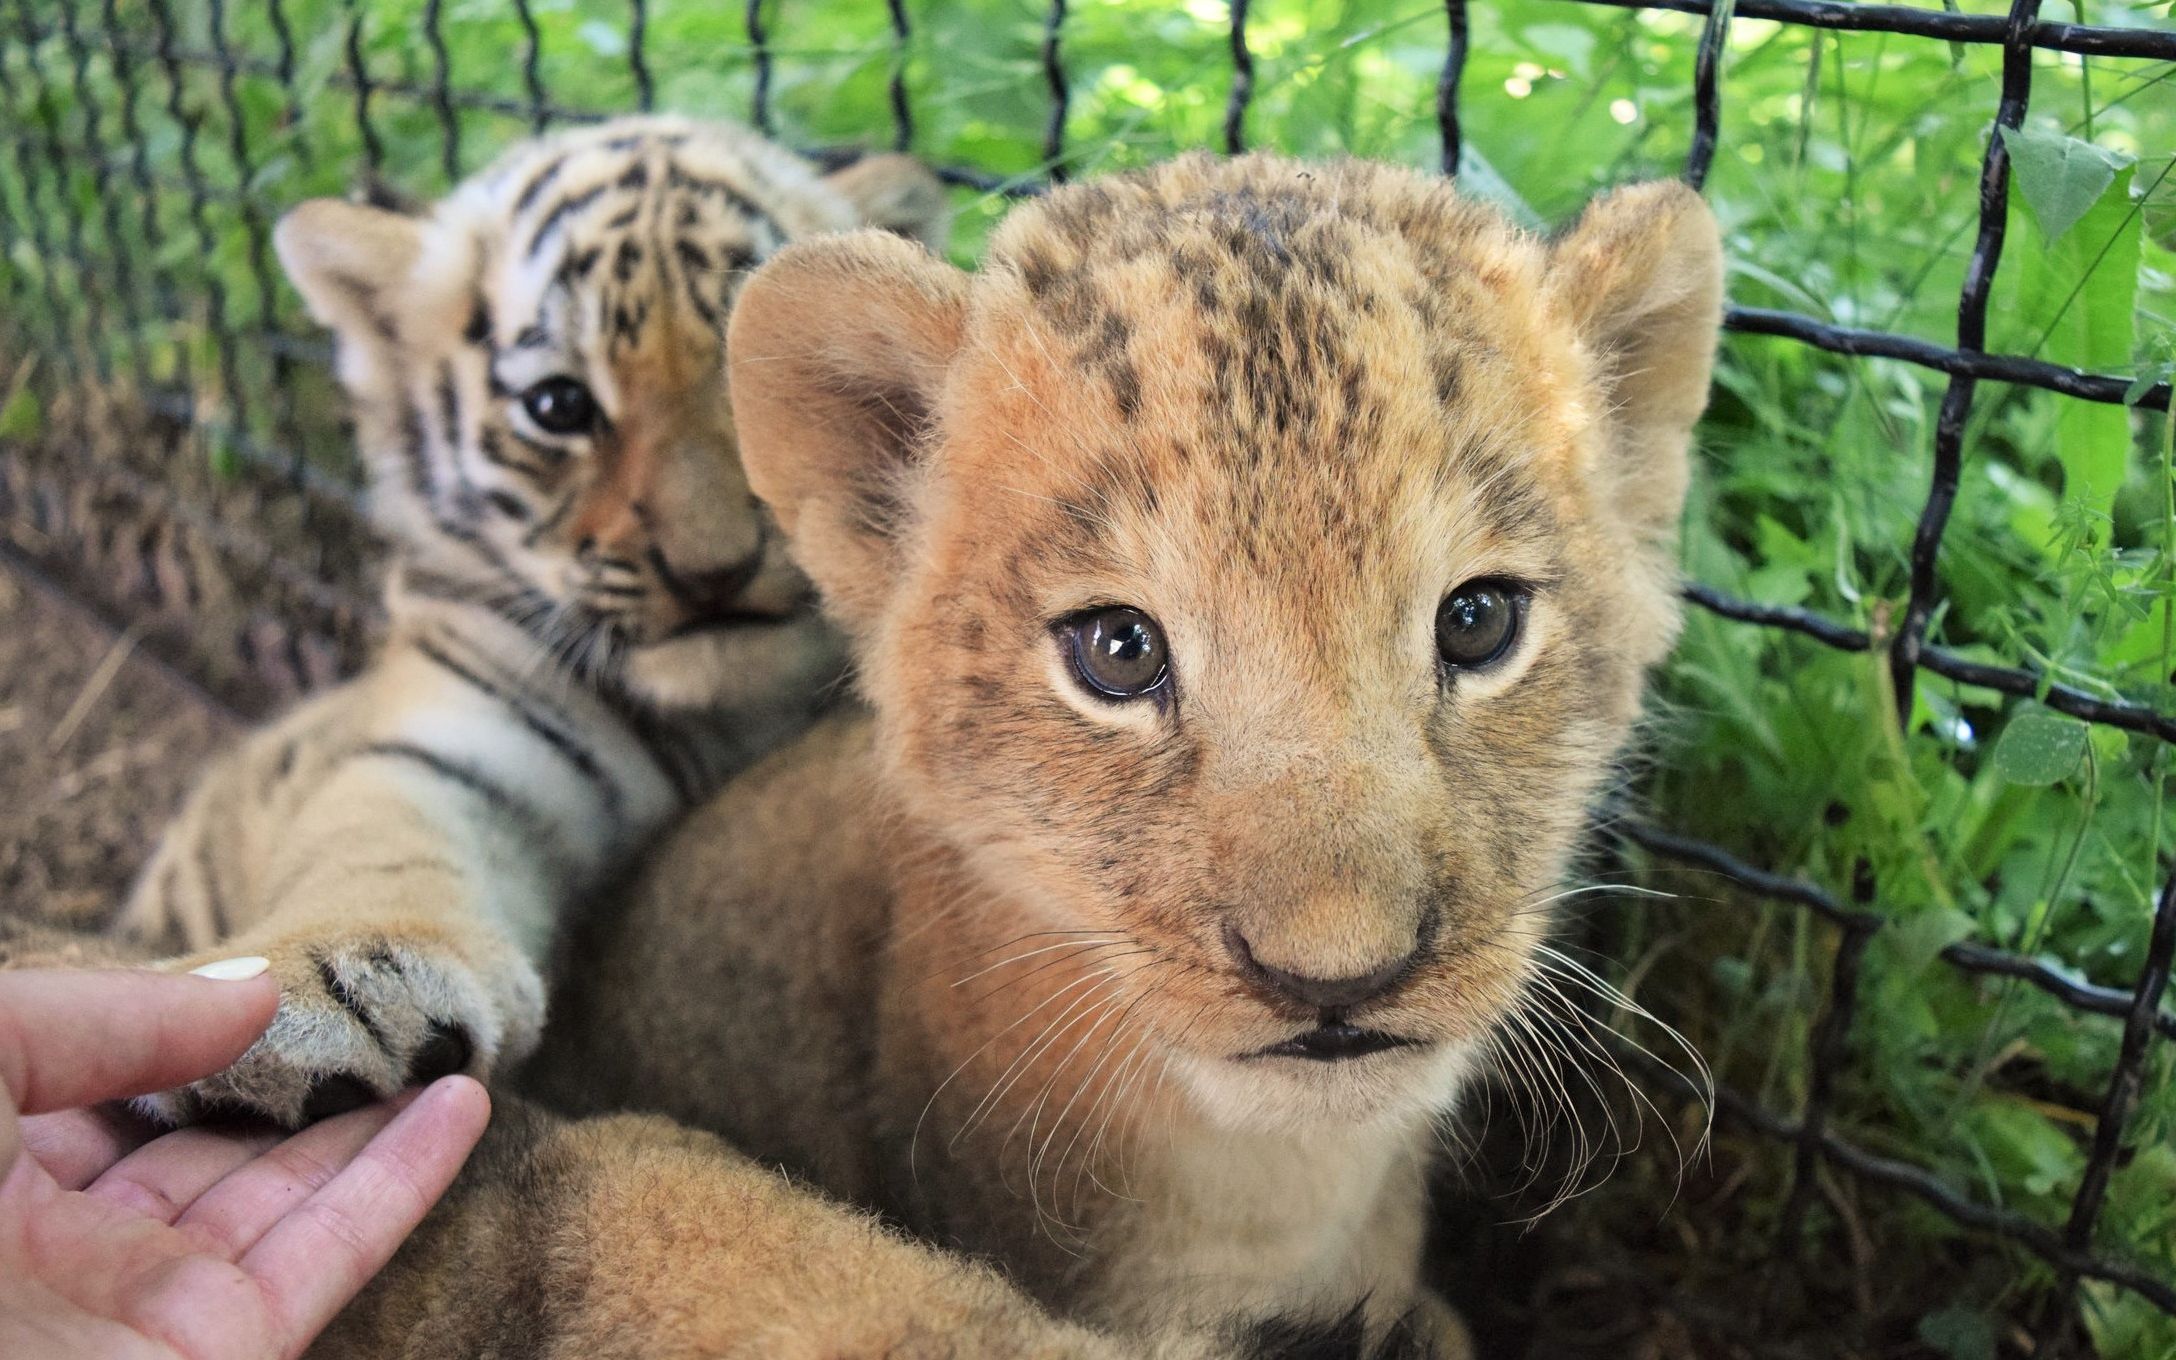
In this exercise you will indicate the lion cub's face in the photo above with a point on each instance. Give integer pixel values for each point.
(1257, 563)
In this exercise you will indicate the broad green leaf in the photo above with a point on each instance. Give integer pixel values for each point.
(2074, 301)
(2061, 177)
(2039, 748)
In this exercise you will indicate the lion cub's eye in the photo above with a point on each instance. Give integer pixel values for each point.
(560, 406)
(1478, 622)
(1117, 652)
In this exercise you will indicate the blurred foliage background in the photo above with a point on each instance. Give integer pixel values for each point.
(1846, 180)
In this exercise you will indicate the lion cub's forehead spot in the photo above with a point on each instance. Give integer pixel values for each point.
(1321, 379)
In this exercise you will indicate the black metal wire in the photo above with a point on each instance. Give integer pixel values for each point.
(449, 122)
(75, 277)
(359, 81)
(1956, 408)
(1061, 92)
(1707, 93)
(1447, 82)
(1947, 25)
(1235, 108)
(227, 354)
(896, 87)
(532, 65)
(759, 42)
(638, 64)
(116, 251)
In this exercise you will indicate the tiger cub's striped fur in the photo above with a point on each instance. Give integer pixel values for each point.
(591, 621)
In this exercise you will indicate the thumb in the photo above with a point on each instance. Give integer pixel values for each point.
(71, 1037)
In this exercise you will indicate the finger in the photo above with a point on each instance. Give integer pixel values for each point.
(74, 1146)
(70, 1038)
(168, 1174)
(318, 1257)
(228, 1218)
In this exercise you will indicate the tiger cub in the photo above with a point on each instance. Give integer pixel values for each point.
(592, 621)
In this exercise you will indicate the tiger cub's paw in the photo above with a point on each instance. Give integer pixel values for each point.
(360, 1018)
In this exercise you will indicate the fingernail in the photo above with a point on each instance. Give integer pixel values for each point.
(233, 970)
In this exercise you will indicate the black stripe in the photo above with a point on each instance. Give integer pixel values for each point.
(415, 446)
(478, 330)
(492, 445)
(538, 183)
(552, 454)
(504, 598)
(551, 521)
(565, 208)
(508, 504)
(552, 734)
(392, 869)
(350, 1003)
(449, 404)
(215, 897)
(659, 743)
(717, 188)
(467, 777)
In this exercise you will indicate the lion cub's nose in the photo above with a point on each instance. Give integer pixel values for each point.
(1320, 993)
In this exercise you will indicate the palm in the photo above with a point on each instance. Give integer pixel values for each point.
(204, 1244)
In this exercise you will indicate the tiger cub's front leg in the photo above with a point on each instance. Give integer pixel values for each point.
(400, 852)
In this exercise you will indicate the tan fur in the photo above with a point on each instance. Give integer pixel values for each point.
(967, 958)
(630, 1239)
(588, 628)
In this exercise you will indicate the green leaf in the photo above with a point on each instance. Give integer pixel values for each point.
(1918, 940)
(2075, 302)
(2039, 748)
(2157, 203)
(2061, 177)
(1960, 1333)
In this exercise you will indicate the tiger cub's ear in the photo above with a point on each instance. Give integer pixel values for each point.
(838, 352)
(349, 262)
(898, 194)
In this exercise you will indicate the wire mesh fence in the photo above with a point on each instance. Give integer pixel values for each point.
(188, 462)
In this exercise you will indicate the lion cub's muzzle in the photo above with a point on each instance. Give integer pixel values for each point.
(1331, 1002)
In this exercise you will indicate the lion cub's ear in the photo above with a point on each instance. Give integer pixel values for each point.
(838, 350)
(349, 261)
(1641, 276)
(899, 194)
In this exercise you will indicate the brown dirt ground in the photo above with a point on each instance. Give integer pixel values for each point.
(98, 743)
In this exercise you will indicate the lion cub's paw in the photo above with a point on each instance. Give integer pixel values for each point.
(358, 1020)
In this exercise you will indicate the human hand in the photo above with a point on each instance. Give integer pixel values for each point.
(201, 1244)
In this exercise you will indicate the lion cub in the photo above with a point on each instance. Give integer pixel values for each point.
(1251, 573)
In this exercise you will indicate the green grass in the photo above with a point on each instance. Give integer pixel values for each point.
(1846, 180)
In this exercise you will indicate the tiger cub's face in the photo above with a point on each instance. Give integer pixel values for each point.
(537, 365)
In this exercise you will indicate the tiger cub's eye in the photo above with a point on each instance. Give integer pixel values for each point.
(1477, 623)
(1118, 652)
(560, 406)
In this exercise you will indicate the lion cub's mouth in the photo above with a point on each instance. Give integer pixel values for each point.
(1335, 1042)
